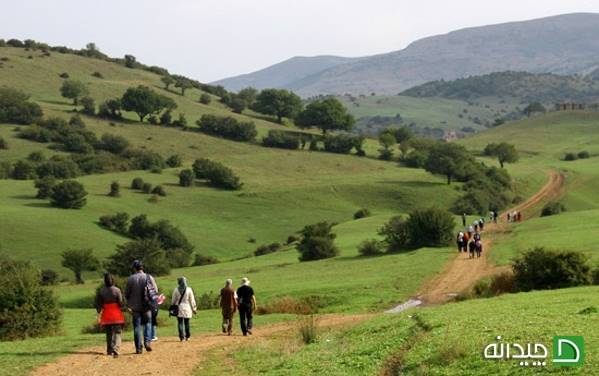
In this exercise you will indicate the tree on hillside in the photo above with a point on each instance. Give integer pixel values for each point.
(74, 90)
(386, 140)
(16, 108)
(68, 194)
(130, 61)
(448, 159)
(326, 114)
(533, 108)
(148, 251)
(278, 102)
(248, 96)
(144, 101)
(505, 153)
(167, 81)
(402, 134)
(317, 242)
(183, 84)
(79, 260)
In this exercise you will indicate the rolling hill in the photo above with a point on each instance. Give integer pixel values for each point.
(564, 44)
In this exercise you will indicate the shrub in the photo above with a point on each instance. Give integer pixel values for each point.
(146, 188)
(282, 139)
(144, 160)
(113, 143)
(58, 168)
(303, 306)
(217, 174)
(385, 154)
(174, 160)
(583, 155)
(540, 269)
(496, 285)
(342, 143)
(79, 260)
(423, 228)
(227, 127)
(292, 239)
(370, 247)
(317, 242)
(186, 178)
(64, 75)
(208, 300)
(362, 213)
(266, 249)
(68, 194)
(44, 187)
(570, 157)
(181, 122)
(48, 277)
(159, 190)
(415, 158)
(205, 99)
(97, 75)
(308, 329)
(89, 106)
(26, 308)
(36, 156)
(118, 222)
(3, 144)
(200, 260)
(23, 170)
(5, 169)
(166, 118)
(552, 208)
(137, 183)
(149, 251)
(15, 107)
(115, 189)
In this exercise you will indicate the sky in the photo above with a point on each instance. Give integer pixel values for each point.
(212, 39)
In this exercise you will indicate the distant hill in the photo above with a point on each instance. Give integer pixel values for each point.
(564, 44)
(526, 87)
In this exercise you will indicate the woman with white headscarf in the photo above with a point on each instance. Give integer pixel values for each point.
(184, 299)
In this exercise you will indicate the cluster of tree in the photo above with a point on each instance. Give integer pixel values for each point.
(344, 143)
(317, 242)
(27, 309)
(278, 102)
(267, 248)
(215, 173)
(180, 82)
(487, 189)
(175, 244)
(15, 107)
(237, 102)
(326, 114)
(148, 188)
(277, 138)
(504, 152)
(431, 227)
(389, 137)
(575, 156)
(552, 208)
(227, 127)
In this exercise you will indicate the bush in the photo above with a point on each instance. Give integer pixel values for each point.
(118, 222)
(44, 187)
(68, 194)
(26, 308)
(174, 160)
(552, 208)
(583, 155)
(292, 239)
(317, 242)
(217, 174)
(208, 300)
(89, 106)
(146, 188)
(15, 107)
(570, 157)
(64, 75)
(266, 249)
(181, 122)
(97, 75)
(58, 168)
(282, 139)
(137, 183)
(205, 99)
(186, 178)
(303, 306)
(342, 143)
(115, 189)
(23, 170)
(539, 269)
(308, 328)
(423, 228)
(362, 213)
(144, 160)
(48, 277)
(503, 283)
(3, 144)
(159, 190)
(385, 154)
(227, 127)
(149, 251)
(370, 247)
(113, 143)
(200, 260)
(166, 118)
(36, 156)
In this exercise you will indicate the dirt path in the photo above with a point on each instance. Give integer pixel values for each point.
(461, 273)
(170, 356)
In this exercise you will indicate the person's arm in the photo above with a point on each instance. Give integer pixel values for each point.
(192, 301)
(175, 297)
(253, 303)
(119, 297)
(98, 302)
(220, 300)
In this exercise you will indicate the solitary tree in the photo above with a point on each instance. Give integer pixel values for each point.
(327, 114)
(69, 194)
(167, 81)
(505, 153)
(79, 260)
(183, 84)
(533, 108)
(144, 101)
(130, 61)
(317, 242)
(447, 159)
(74, 90)
(278, 102)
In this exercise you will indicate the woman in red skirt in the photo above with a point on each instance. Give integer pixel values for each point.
(109, 300)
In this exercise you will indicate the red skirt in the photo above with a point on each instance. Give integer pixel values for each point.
(112, 315)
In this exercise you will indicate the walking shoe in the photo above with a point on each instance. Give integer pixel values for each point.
(139, 351)
(115, 355)
(148, 348)
(154, 339)
(249, 332)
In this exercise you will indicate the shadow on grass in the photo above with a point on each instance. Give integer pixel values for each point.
(23, 197)
(39, 205)
(414, 183)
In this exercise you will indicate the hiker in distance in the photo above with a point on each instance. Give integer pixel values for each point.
(228, 306)
(464, 220)
(246, 301)
(139, 290)
(109, 300)
(185, 303)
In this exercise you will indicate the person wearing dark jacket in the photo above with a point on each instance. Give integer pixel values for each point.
(228, 306)
(135, 291)
(108, 304)
(246, 302)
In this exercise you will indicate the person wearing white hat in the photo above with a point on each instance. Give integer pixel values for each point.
(246, 302)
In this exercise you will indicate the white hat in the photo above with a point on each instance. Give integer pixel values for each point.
(245, 281)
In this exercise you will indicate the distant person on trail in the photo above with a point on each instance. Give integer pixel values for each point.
(519, 216)
(140, 302)
(246, 302)
(471, 249)
(185, 300)
(509, 217)
(470, 231)
(495, 216)
(481, 224)
(464, 220)
(475, 226)
(228, 306)
(460, 241)
(476, 236)
(479, 248)
(109, 300)
(467, 238)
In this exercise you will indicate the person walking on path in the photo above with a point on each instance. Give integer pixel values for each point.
(479, 248)
(155, 310)
(481, 224)
(470, 231)
(109, 301)
(139, 303)
(460, 241)
(471, 249)
(464, 220)
(228, 306)
(475, 226)
(185, 300)
(246, 301)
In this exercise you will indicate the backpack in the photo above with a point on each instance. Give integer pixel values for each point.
(477, 237)
(150, 295)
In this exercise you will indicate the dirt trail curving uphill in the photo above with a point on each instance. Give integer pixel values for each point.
(461, 273)
(170, 356)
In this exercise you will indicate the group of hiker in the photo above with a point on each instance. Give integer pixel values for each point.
(514, 216)
(143, 301)
(469, 240)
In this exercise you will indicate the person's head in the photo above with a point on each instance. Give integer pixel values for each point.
(108, 280)
(182, 281)
(245, 281)
(229, 282)
(137, 265)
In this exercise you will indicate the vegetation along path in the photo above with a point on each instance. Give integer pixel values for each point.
(461, 273)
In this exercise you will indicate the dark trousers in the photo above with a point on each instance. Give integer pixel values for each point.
(245, 318)
(183, 326)
(113, 338)
(142, 326)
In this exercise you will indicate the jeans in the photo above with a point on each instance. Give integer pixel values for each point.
(183, 326)
(245, 318)
(142, 326)
(113, 338)
(227, 321)
(154, 324)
